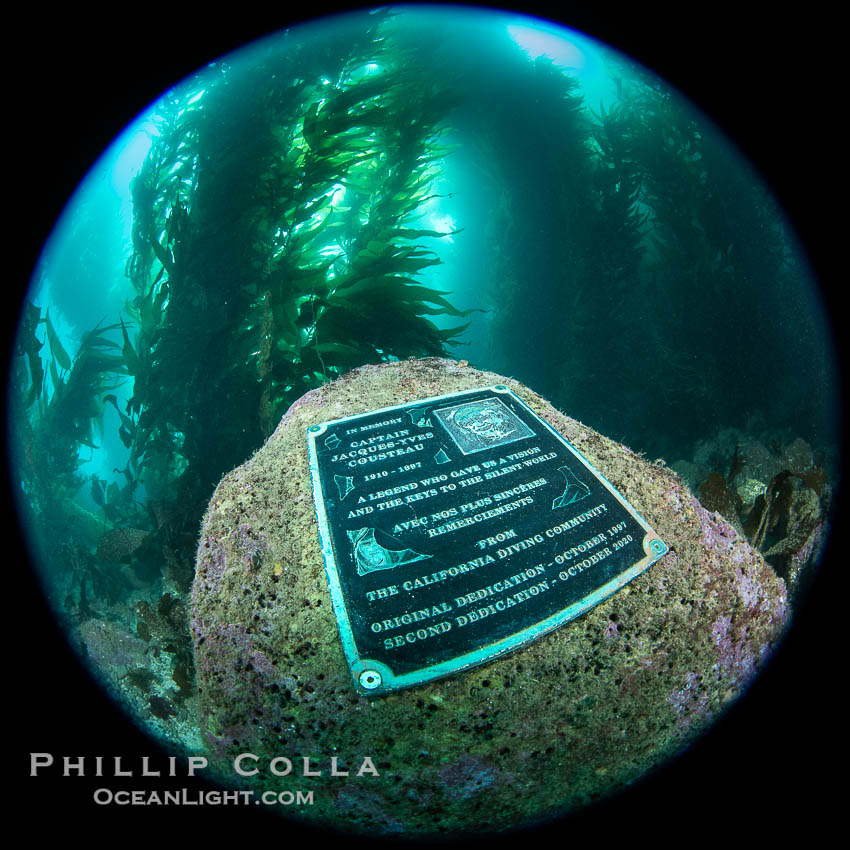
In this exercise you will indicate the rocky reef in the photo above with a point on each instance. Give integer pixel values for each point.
(774, 488)
(568, 719)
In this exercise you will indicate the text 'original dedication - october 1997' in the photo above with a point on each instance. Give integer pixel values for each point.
(455, 529)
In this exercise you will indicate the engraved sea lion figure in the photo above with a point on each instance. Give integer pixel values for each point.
(369, 555)
(574, 491)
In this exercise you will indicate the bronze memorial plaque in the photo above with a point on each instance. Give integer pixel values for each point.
(455, 529)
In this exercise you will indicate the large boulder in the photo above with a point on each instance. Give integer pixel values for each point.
(567, 719)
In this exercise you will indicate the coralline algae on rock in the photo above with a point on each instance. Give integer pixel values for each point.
(567, 719)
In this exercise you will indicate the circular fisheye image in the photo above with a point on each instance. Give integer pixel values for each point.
(423, 423)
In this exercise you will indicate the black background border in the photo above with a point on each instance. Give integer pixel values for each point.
(76, 78)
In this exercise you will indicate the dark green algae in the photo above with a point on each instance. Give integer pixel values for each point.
(567, 720)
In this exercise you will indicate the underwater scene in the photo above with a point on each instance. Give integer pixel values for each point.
(475, 185)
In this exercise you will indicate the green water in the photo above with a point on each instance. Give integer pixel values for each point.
(362, 190)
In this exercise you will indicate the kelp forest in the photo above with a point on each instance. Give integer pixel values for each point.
(282, 234)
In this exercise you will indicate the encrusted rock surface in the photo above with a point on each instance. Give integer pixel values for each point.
(567, 719)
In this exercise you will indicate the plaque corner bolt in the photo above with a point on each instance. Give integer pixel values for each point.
(657, 546)
(313, 428)
(370, 679)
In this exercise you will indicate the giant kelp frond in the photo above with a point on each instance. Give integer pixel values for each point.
(365, 167)
(687, 234)
(74, 411)
(622, 223)
(29, 386)
(70, 395)
(276, 245)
